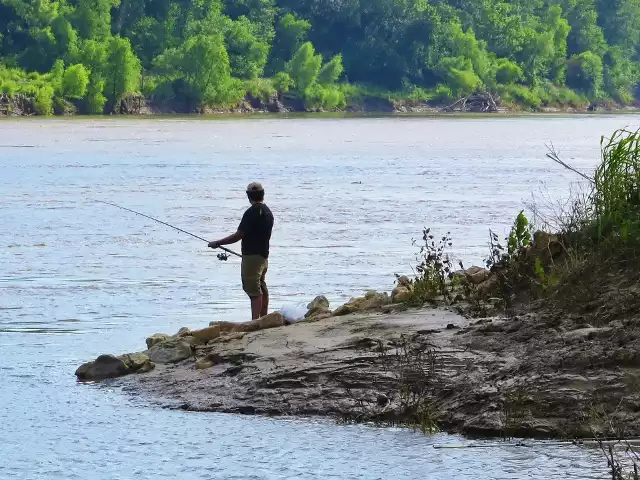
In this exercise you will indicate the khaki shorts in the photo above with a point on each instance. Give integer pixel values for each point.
(254, 270)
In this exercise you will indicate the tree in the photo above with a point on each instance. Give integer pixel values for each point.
(247, 54)
(92, 18)
(290, 33)
(202, 65)
(75, 81)
(304, 67)
(586, 74)
(331, 71)
(123, 70)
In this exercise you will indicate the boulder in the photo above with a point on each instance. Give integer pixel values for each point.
(134, 361)
(205, 335)
(477, 275)
(371, 301)
(225, 327)
(193, 341)
(317, 317)
(272, 320)
(171, 351)
(147, 367)
(345, 309)
(400, 294)
(546, 246)
(183, 332)
(489, 287)
(105, 366)
(156, 338)
(319, 305)
(209, 361)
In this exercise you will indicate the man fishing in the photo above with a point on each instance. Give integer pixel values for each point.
(255, 232)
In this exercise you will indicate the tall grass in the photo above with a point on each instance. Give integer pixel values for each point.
(616, 189)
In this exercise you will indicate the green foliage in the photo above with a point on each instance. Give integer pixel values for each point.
(75, 81)
(507, 72)
(261, 88)
(200, 71)
(282, 82)
(321, 97)
(331, 71)
(43, 100)
(616, 189)
(434, 271)
(304, 67)
(247, 54)
(520, 235)
(123, 70)
(586, 74)
(202, 51)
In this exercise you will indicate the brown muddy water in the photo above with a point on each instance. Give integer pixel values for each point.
(79, 278)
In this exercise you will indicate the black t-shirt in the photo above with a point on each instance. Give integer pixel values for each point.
(256, 224)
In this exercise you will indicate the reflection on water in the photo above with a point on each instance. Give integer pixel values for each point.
(79, 278)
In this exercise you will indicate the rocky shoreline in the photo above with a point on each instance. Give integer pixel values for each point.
(21, 105)
(533, 373)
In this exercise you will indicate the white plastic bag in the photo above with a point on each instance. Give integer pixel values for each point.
(294, 313)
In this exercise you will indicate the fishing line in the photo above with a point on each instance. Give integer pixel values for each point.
(221, 256)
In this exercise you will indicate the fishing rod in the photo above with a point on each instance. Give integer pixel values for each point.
(221, 256)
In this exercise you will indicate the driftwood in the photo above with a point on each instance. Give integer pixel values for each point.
(476, 102)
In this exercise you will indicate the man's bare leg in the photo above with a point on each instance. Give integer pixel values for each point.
(256, 307)
(265, 304)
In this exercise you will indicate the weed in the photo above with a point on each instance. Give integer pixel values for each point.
(435, 272)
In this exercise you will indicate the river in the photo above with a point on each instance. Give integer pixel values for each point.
(79, 278)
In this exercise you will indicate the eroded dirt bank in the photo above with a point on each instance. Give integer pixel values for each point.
(529, 375)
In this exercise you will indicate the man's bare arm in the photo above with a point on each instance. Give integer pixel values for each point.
(233, 238)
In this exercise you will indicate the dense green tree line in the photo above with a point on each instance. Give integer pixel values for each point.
(212, 52)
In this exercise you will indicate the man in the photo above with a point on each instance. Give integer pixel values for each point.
(255, 233)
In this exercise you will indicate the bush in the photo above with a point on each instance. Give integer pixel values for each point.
(261, 88)
(43, 100)
(324, 97)
(521, 95)
(616, 189)
(282, 82)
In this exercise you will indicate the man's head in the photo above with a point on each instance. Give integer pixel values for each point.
(255, 192)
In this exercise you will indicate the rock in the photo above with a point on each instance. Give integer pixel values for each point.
(156, 338)
(472, 270)
(318, 317)
(404, 281)
(546, 246)
(205, 335)
(318, 306)
(225, 327)
(372, 300)
(209, 361)
(171, 351)
(489, 287)
(477, 275)
(134, 361)
(272, 320)
(105, 366)
(193, 341)
(345, 309)
(183, 332)
(146, 367)
(400, 294)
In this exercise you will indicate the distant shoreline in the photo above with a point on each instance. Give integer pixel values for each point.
(138, 106)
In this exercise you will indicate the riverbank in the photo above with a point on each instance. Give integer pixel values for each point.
(534, 373)
(21, 105)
